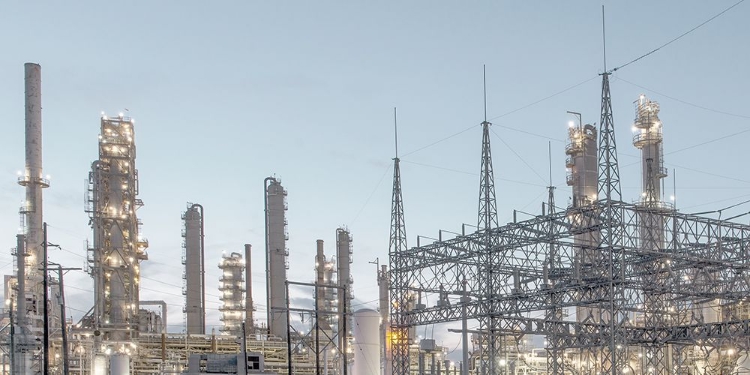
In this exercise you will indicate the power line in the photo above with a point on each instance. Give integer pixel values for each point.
(684, 101)
(677, 38)
(507, 114)
(545, 98)
(371, 194)
(517, 155)
(470, 173)
(440, 140)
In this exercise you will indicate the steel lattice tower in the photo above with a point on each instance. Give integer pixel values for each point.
(613, 358)
(487, 220)
(399, 294)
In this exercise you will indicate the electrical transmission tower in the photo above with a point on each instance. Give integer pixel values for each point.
(399, 286)
(613, 287)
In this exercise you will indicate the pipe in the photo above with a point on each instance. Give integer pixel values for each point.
(203, 269)
(268, 265)
(248, 289)
(21, 280)
(45, 359)
(12, 341)
(66, 369)
(464, 331)
(163, 312)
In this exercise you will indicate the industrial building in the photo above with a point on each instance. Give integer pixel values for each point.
(610, 287)
(118, 335)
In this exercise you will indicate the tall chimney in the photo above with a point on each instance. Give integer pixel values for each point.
(33, 180)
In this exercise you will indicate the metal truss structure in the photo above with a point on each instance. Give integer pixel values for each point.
(654, 290)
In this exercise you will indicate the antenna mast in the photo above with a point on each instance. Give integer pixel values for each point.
(487, 221)
(399, 293)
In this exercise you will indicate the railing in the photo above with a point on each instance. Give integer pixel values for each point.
(647, 137)
(570, 177)
(26, 180)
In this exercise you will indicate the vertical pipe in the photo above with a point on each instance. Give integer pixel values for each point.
(464, 331)
(45, 359)
(317, 328)
(344, 330)
(288, 331)
(12, 341)
(21, 279)
(62, 318)
(249, 324)
(244, 347)
(163, 347)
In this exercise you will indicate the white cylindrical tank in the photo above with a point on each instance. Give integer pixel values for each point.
(366, 342)
(119, 364)
(99, 365)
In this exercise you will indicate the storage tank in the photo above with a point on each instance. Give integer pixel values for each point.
(99, 364)
(119, 364)
(366, 342)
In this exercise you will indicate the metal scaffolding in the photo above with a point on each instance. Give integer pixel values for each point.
(652, 290)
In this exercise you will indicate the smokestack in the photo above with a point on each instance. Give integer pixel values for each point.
(248, 291)
(33, 180)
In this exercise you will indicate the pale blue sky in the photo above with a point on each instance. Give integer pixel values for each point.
(227, 93)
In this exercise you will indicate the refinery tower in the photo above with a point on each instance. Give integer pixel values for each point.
(29, 293)
(276, 256)
(118, 248)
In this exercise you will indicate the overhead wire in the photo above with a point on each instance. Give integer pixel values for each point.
(517, 155)
(469, 173)
(684, 101)
(380, 181)
(544, 98)
(440, 140)
(677, 38)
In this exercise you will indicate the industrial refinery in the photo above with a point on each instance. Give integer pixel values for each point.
(610, 286)
(601, 274)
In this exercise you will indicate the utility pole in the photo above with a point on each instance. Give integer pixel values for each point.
(63, 322)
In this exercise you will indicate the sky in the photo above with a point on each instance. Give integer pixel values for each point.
(227, 93)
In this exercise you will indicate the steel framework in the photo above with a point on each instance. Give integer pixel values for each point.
(654, 290)
(114, 260)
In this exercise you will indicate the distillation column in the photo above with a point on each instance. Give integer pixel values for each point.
(29, 277)
(231, 288)
(114, 260)
(276, 256)
(582, 176)
(195, 308)
(322, 268)
(648, 138)
(385, 319)
(345, 281)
